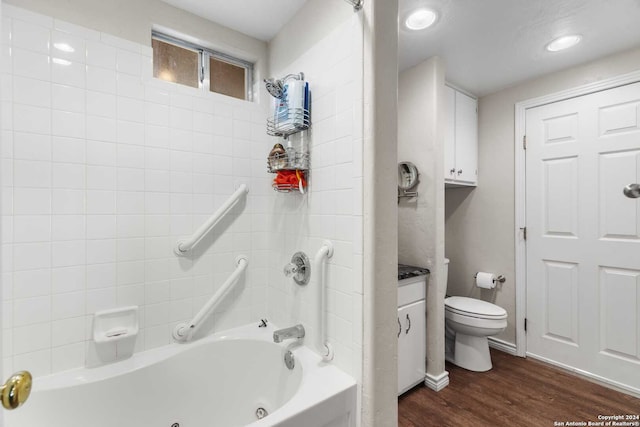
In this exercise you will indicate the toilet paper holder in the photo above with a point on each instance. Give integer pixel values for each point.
(500, 278)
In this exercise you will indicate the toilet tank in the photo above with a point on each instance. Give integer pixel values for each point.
(446, 271)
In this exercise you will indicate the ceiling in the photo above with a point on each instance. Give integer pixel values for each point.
(488, 45)
(261, 19)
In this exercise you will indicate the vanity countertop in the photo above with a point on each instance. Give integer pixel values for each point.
(409, 271)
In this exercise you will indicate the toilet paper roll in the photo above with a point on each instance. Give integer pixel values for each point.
(485, 280)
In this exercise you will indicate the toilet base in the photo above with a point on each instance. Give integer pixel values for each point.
(472, 353)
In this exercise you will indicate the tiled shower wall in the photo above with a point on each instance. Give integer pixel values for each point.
(103, 169)
(333, 208)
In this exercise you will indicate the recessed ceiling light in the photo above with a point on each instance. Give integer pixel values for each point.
(564, 42)
(421, 19)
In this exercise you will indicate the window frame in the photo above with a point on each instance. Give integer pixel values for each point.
(204, 54)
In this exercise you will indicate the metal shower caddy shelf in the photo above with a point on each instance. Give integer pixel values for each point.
(284, 124)
(298, 119)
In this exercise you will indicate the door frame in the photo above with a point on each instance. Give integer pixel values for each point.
(520, 185)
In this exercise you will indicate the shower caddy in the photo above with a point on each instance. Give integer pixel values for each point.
(284, 123)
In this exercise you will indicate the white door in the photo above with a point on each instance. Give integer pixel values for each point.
(583, 234)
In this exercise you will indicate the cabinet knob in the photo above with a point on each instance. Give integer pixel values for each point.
(452, 171)
(459, 171)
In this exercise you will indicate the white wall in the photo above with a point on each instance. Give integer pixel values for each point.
(379, 363)
(421, 220)
(332, 209)
(104, 168)
(480, 222)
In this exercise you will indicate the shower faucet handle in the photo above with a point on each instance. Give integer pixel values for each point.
(290, 269)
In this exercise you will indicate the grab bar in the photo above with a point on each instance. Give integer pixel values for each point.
(184, 246)
(322, 345)
(183, 332)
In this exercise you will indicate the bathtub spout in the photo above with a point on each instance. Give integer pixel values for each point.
(295, 332)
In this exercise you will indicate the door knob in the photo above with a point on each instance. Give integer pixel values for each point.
(16, 390)
(632, 191)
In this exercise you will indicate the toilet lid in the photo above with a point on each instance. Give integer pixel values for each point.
(474, 308)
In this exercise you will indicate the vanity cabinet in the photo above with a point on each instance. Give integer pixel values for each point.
(411, 332)
(461, 139)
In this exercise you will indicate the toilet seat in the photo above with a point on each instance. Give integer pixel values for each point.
(471, 307)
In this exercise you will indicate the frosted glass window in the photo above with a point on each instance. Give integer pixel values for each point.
(175, 64)
(186, 63)
(227, 79)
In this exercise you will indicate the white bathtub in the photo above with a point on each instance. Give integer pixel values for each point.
(219, 381)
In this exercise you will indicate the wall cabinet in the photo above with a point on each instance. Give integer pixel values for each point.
(461, 139)
(411, 331)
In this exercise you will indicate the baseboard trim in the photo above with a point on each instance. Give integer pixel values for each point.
(504, 346)
(438, 382)
(605, 382)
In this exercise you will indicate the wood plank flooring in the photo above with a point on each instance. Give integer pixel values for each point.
(516, 392)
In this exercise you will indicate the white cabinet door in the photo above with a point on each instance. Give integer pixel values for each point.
(450, 133)
(466, 135)
(411, 345)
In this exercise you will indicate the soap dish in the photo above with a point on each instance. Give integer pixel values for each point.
(115, 325)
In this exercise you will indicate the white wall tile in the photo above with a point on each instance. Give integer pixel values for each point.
(32, 174)
(101, 79)
(31, 228)
(68, 73)
(101, 178)
(31, 338)
(31, 119)
(101, 129)
(31, 146)
(69, 305)
(67, 279)
(101, 55)
(68, 98)
(68, 227)
(130, 86)
(69, 176)
(100, 299)
(67, 46)
(29, 311)
(31, 283)
(68, 201)
(31, 92)
(101, 104)
(68, 253)
(68, 150)
(68, 124)
(101, 153)
(31, 64)
(101, 226)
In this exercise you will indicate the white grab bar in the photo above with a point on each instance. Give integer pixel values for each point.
(185, 331)
(184, 246)
(322, 345)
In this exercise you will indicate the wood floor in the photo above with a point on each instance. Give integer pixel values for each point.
(516, 392)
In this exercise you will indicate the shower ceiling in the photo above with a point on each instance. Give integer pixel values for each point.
(261, 19)
(491, 44)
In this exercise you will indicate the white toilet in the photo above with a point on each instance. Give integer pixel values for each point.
(468, 323)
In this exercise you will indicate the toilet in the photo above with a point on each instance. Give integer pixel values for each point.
(468, 323)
